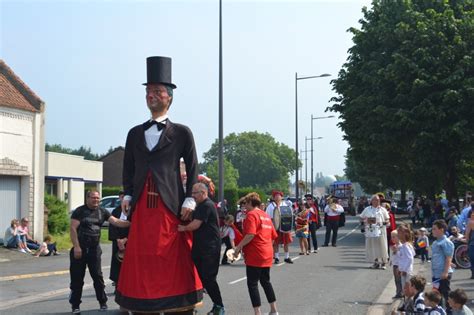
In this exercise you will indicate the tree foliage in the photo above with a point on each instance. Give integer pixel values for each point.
(261, 161)
(406, 96)
(231, 175)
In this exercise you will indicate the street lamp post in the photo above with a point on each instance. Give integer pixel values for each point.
(296, 123)
(313, 119)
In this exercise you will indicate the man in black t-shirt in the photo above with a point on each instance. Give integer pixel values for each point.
(86, 222)
(206, 244)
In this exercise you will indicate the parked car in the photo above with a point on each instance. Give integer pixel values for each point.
(109, 203)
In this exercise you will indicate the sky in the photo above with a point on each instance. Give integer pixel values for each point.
(87, 61)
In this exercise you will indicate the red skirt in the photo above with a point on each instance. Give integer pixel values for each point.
(157, 273)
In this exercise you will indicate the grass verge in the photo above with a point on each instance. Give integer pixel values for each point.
(63, 241)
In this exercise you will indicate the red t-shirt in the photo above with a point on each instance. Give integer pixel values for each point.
(259, 252)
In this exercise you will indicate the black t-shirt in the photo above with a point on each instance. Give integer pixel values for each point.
(91, 220)
(206, 239)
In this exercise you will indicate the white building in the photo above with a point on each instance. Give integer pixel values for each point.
(21, 153)
(67, 176)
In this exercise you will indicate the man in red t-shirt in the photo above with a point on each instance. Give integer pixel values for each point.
(257, 246)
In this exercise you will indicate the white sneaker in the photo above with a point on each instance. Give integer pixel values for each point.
(22, 250)
(28, 250)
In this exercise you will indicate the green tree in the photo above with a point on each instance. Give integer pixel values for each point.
(406, 95)
(261, 161)
(231, 175)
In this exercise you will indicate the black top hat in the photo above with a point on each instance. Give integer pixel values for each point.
(158, 70)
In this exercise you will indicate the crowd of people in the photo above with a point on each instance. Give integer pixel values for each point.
(17, 236)
(167, 234)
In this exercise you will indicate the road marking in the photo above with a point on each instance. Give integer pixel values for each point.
(294, 258)
(4, 260)
(355, 229)
(238, 280)
(38, 275)
(41, 296)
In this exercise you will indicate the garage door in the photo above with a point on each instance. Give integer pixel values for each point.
(9, 201)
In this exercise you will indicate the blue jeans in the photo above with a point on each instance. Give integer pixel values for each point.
(13, 242)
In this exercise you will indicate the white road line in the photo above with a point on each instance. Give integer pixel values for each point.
(238, 280)
(355, 229)
(41, 296)
(294, 258)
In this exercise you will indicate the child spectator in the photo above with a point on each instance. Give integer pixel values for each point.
(417, 285)
(442, 252)
(228, 236)
(457, 300)
(432, 300)
(395, 249)
(406, 253)
(47, 248)
(302, 229)
(423, 244)
(414, 298)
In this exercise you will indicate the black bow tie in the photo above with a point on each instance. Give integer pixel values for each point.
(150, 123)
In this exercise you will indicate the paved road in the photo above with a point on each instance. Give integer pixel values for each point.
(334, 281)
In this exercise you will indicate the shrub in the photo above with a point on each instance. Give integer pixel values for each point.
(58, 217)
(110, 190)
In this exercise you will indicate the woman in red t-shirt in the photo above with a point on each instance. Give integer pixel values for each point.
(257, 246)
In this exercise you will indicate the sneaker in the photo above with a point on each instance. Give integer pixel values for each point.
(56, 254)
(103, 307)
(334, 245)
(276, 313)
(76, 310)
(28, 250)
(397, 296)
(383, 267)
(21, 250)
(288, 260)
(277, 261)
(217, 310)
(374, 266)
(315, 251)
(225, 263)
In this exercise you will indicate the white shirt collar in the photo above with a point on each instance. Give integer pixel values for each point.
(161, 119)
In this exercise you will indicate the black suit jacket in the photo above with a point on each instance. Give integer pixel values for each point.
(163, 161)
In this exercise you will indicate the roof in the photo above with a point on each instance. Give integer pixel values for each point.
(14, 93)
(119, 148)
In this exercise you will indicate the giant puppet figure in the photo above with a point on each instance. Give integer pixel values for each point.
(157, 273)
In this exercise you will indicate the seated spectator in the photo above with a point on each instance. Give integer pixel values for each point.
(432, 300)
(457, 300)
(455, 235)
(47, 248)
(416, 286)
(25, 230)
(13, 239)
